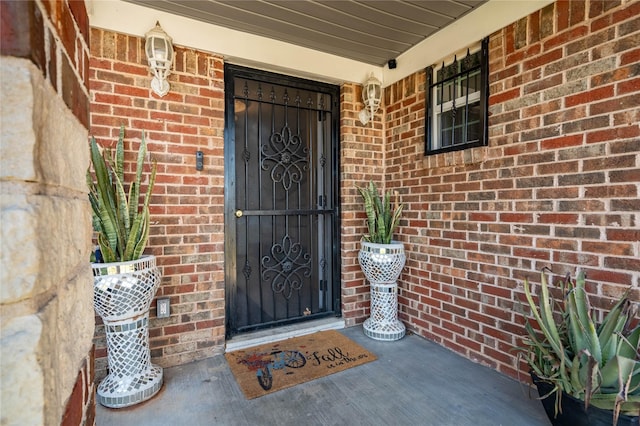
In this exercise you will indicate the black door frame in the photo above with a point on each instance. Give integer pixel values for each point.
(230, 72)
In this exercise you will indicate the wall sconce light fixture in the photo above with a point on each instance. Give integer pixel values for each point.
(371, 96)
(159, 52)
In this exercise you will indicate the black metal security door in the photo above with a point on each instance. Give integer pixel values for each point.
(281, 214)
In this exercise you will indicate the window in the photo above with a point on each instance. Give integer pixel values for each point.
(456, 102)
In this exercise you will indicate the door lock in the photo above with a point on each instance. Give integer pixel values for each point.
(238, 213)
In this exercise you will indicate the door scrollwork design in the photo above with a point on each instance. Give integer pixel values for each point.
(286, 267)
(286, 157)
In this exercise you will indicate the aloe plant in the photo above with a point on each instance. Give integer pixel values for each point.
(382, 219)
(120, 218)
(598, 363)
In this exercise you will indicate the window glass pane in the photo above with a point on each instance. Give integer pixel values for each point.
(446, 138)
(446, 128)
(447, 94)
(474, 81)
(473, 125)
(458, 132)
(470, 84)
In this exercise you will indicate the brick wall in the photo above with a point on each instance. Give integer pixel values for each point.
(558, 185)
(81, 407)
(362, 152)
(187, 205)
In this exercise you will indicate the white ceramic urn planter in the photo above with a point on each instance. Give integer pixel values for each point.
(123, 292)
(382, 265)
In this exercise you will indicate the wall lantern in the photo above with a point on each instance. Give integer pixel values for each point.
(160, 56)
(371, 95)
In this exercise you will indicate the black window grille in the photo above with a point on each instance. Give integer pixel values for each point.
(457, 103)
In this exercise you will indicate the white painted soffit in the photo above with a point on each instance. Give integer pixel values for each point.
(235, 46)
(471, 28)
(272, 55)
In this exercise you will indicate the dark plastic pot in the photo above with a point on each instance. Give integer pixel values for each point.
(573, 412)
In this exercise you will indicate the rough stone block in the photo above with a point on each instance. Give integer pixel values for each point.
(76, 324)
(18, 141)
(34, 228)
(22, 391)
(63, 148)
(18, 240)
(66, 223)
(41, 144)
(68, 325)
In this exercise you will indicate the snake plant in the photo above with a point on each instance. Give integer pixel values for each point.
(598, 363)
(120, 218)
(382, 219)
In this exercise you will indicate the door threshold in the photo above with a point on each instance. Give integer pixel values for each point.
(276, 334)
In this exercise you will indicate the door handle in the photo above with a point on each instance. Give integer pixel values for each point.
(238, 213)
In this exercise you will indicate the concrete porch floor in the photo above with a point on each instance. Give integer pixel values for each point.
(413, 382)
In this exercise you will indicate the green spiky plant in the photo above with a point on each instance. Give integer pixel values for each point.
(382, 219)
(120, 218)
(598, 363)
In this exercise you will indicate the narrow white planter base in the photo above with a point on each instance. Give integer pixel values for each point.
(383, 324)
(387, 332)
(114, 393)
(132, 377)
(122, 297)
(382, 264)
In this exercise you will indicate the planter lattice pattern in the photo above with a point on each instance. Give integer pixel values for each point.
(382, 264)
(122, 297)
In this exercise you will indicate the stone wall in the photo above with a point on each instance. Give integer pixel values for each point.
(46, 297)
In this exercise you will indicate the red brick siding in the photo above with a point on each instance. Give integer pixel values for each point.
(558, 184)
(26, 33)
(81, 407)
(187, 205)
(361, 160)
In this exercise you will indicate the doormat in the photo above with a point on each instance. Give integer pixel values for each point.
(274, 366)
